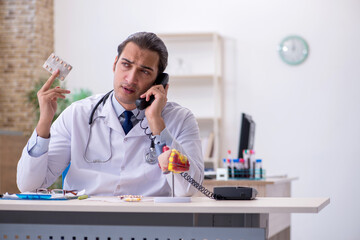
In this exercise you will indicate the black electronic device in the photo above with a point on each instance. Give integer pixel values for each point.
(162, 79)
(247, 134)
(235, 193)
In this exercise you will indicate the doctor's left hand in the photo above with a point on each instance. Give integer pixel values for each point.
(153, 112)
(164, 161)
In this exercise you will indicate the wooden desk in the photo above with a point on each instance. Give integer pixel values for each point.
(279, 227)
(110, 219)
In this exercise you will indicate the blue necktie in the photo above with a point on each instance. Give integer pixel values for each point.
(127, 124)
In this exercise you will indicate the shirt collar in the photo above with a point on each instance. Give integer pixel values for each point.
(139, 114)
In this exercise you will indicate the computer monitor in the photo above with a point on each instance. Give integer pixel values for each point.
(247, 134)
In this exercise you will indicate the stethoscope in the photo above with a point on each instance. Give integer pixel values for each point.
(150, 156)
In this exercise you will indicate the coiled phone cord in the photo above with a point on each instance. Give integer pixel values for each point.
(151, 137)
(200, 187)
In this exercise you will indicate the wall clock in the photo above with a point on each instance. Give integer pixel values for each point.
(293, 50)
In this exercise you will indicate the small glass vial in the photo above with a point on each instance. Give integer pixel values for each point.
(242, 168)
(236, 168)
(258, 169)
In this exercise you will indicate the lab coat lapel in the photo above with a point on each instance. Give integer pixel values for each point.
(111, 120)
(138, 131)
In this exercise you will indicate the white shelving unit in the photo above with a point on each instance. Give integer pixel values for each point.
(195, 69)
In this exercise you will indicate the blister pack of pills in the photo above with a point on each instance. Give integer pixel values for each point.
(54, 62)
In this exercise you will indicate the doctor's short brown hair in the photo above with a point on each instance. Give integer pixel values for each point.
(149, 41)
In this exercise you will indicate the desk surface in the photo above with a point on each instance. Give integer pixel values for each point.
(197, 205)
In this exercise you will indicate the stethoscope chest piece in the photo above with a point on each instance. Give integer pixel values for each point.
(151, 157)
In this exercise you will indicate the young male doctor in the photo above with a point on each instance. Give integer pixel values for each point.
(107, 157)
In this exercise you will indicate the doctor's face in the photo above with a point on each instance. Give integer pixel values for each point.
(134, 73)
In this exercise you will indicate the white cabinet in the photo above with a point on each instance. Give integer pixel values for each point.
(195, 69)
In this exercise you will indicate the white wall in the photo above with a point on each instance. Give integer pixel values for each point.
(307, 116)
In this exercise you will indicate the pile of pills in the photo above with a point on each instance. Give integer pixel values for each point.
(130, 198)
(54, 62)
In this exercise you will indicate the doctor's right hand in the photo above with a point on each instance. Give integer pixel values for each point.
(47, 98)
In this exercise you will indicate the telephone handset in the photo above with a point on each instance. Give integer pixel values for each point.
(162, 79)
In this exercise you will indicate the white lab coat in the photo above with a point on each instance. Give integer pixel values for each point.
(122, 168)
